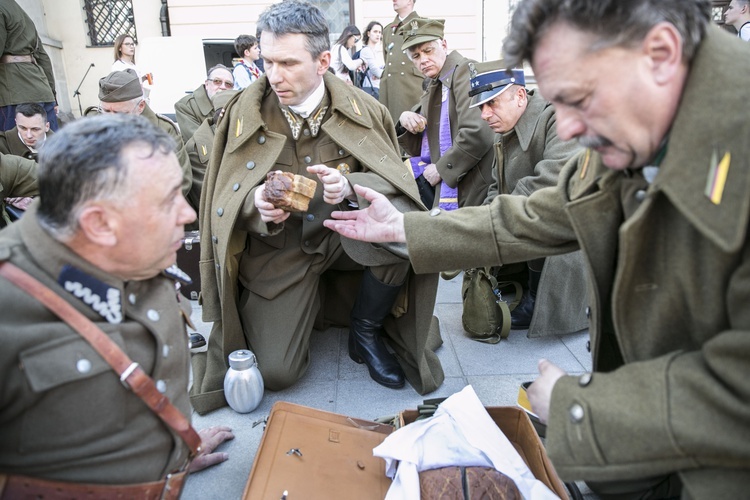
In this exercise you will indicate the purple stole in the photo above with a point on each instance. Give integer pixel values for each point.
(448, 195)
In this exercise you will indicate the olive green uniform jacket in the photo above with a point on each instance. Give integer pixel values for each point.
(244, 152)
(191, 110)
(23, 81)
(64, 414)
(468, 162)
(17, 180)
(11, 144)
(401, 82)
(527, 158)
(173, 131)
(199, 149)
(669, 292)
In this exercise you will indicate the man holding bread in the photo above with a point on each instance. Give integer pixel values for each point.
(287, 153)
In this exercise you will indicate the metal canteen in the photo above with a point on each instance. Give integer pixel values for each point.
(243, 383)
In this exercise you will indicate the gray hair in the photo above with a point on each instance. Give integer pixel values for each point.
(83, 162)
(622, 23)
(295, 17)
(214, 68)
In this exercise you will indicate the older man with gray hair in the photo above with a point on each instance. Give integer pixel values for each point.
(195, 107)
(95, 350)
(660, 205)
(120, 92)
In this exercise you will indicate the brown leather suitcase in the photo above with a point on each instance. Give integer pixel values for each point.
(517, 427)
(317, 455)
(187, 260)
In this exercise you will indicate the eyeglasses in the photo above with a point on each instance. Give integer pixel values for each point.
(103, 111)
(222, 83)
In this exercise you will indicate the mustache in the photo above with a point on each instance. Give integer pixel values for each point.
(594, 142)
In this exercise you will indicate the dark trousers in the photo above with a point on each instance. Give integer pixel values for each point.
(8, 116)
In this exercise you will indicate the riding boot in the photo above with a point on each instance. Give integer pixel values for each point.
(374, 302)
(520, 317)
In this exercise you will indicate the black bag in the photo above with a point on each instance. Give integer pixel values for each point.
(485, 317)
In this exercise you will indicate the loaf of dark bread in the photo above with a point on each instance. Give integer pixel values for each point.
(453, 483)
(288, 191)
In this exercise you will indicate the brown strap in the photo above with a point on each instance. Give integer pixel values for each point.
(31, 487)
(6, 59)
(131, 374)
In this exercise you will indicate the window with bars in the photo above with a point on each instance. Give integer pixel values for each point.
(105, 19)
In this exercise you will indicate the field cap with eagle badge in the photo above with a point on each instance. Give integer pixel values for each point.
(421, 30)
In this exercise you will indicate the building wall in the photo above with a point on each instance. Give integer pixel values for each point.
(473, 27)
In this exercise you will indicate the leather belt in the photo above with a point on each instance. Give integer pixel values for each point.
(7, 58)
(29, 487)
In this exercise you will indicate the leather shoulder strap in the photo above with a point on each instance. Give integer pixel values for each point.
(131, 374)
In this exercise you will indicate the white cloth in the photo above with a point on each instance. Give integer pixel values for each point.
(373, 58)
(460, 433)
(311, 103)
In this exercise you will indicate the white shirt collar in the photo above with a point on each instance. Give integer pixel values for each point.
(311, 103)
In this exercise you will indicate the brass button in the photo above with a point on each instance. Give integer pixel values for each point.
(153, 315)
(308, 160)
(236, 186)
(250, 165)
(220, 212)
(262, 139)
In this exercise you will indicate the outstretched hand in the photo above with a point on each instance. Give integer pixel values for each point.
(378, 223)
(540, 392)
(211, 438)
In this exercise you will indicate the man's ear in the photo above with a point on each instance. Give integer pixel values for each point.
(46, 127)
(98, 225)
(663, 48)
(324, 61)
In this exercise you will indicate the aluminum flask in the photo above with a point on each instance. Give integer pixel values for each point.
(243, 383)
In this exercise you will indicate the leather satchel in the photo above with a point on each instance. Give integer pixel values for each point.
(485, 317)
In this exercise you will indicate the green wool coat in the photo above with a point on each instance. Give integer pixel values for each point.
(17, 180)
(467, 164)
(191, 110)
(244, 152)
(669, 292)
(528, 158)
(401, 81)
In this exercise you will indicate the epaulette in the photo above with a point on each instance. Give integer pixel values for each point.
(169, 120)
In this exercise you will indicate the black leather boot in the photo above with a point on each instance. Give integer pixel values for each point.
(520, 317)
(374, 302)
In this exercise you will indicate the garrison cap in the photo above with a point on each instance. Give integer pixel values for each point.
(421, 30)
(120, 86)
(489, 79)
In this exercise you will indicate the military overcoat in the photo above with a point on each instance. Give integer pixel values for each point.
(401, 82)
(527, 158)
(17, 180)
(191, 110)
(468, 162)
(669, 267)
(23, 82)
(244, 152)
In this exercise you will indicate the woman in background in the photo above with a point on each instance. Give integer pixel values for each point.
(125, 59)
(372, 55)
(341, 58)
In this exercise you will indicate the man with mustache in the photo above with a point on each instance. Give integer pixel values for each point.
(659, 205)
(264, 267)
